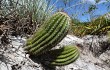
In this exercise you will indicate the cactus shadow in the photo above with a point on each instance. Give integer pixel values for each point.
(42, 62)
(46, 58)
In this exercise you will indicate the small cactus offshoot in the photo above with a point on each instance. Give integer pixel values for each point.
(62, 56)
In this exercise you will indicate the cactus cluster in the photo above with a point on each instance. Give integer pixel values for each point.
(48, 36)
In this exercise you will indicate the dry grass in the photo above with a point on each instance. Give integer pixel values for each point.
(98, 26)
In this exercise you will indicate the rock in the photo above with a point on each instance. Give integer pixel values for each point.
(96, 44)
(15, 58)
(71, 40)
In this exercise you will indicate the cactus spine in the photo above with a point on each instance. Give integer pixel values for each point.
(49, 34)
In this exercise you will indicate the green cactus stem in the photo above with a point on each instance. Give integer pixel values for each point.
(62, 56)
(49, 34)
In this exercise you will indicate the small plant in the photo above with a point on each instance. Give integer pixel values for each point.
(48, 36)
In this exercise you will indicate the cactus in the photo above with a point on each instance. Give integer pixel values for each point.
(62, 56)
(49, 34)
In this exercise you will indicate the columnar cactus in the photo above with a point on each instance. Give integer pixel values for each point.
(62, 56)
(49, 34)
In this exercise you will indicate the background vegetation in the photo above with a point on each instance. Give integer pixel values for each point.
(98, 26)
(22, 18)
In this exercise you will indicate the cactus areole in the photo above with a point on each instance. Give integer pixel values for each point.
(49, 34)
